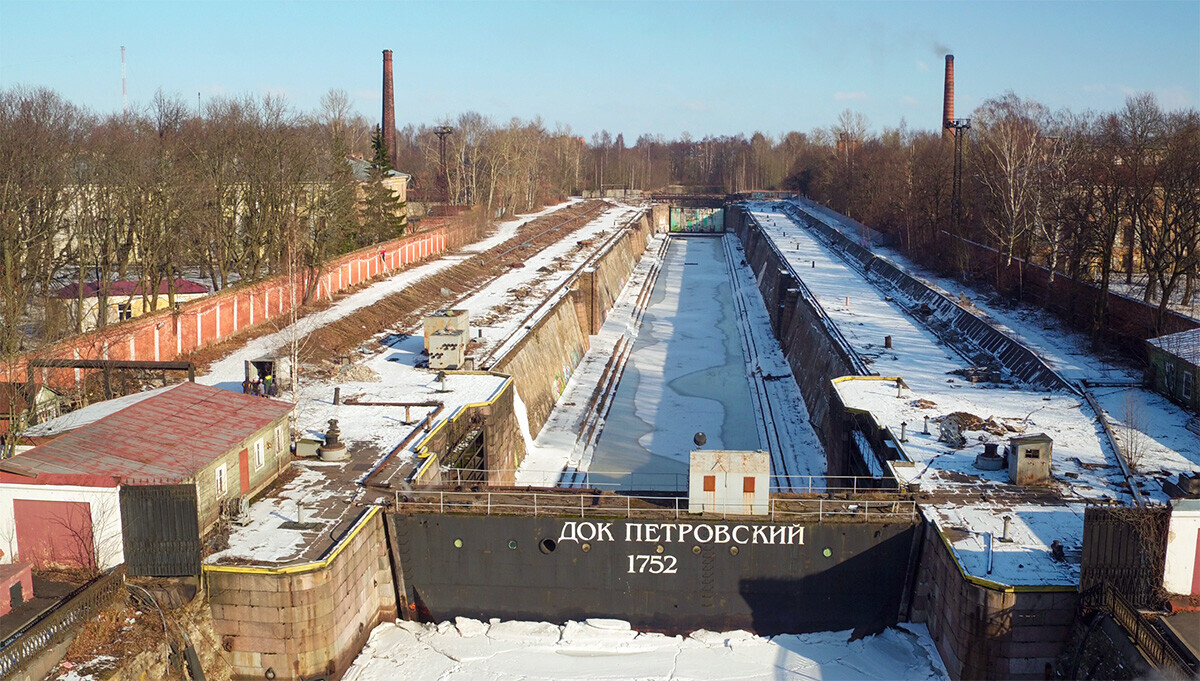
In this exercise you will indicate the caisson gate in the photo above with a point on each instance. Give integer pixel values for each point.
(829, 572)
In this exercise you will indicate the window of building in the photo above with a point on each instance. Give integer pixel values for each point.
(260, 459)
(748, 485)
(1169, 378)
(710, 483)
(1188, 386)
(124, 311)
(222, 481)
(1033, 453)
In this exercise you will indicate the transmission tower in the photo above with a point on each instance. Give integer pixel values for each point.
(958, 126)
(443, 131)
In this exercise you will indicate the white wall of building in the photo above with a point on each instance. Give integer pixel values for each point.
(728, 472)
(1179, 572)
(105, 504)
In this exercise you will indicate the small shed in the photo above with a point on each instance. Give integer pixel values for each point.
(1174, 368)
(277, 367)
(729, 482)
(143, 484)
(1029, 458)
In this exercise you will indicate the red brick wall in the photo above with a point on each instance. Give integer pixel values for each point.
(164, 335)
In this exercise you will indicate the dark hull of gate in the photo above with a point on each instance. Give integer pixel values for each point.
(845, 576)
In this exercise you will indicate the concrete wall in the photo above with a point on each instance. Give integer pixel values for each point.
(543, 361)
(989, 633)
(304, 621)
(1183, 537)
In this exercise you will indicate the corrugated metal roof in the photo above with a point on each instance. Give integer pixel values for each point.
(1184, 345)
(167, 437)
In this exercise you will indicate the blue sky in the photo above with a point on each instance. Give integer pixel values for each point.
(630, 67)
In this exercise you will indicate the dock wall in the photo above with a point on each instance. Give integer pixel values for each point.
(987, 630)
(814, 347)
(304, 621)
(557, 336)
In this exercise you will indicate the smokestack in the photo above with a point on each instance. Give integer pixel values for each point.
(948, 97)
(389, 108)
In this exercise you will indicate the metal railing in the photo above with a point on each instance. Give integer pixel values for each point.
(669, 482)
(1150, 641)
(51, 627)
(565, 504)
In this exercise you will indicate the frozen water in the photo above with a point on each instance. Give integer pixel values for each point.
(685, 375)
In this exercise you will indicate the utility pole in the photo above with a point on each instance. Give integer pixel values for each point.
(442, 131)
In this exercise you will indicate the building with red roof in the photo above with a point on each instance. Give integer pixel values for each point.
(134, 484)
(123, 299)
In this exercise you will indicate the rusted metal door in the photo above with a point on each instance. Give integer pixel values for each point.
(244, 470)
(161, 530)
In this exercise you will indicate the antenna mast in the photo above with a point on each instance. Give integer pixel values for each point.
(124, 85)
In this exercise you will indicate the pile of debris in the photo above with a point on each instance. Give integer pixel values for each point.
(356, 373)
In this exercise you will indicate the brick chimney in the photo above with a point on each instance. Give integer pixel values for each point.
(389, 108)
(948, 97)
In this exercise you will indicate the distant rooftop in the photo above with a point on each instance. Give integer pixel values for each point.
(91, 289)
(361, 169)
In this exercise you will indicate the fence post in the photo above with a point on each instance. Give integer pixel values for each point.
(581, 512)
(441, 501)
(489, 506)
(820, 509)
(628, 509)
(535, 504)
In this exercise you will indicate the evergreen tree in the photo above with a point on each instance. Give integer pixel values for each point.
(384, 215)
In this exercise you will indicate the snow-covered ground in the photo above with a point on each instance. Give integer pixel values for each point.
(969, 504)
(1154, 425)
(469, 650)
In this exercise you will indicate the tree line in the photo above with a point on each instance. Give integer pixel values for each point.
(246, 187)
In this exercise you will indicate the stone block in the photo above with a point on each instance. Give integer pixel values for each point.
(245, 659)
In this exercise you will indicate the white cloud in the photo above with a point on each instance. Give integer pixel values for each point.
(855, 96)
(909, 100)
(922, 66)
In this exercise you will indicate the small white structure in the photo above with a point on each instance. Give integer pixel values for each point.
(1029, 459)
(730, 482)
(447, 350)
(1181, 575)
(442, 321)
